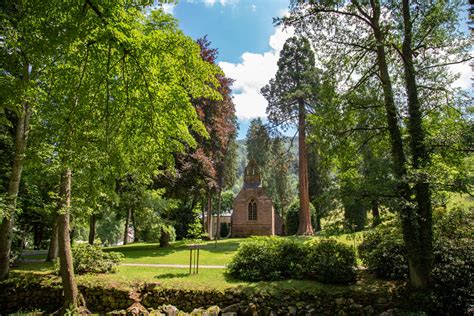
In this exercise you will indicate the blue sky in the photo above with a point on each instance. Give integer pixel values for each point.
(249, 45)
(247, 40)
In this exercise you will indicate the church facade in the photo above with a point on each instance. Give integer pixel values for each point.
(253, 213)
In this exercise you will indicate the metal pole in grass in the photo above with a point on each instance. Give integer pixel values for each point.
(197, 266)
(190, 259)
(194, 258)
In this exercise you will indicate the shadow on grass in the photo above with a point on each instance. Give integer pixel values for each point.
(146, 250)
(134, 251)
(34, 266)
(222, 247)
(366, 283)
(171, 275)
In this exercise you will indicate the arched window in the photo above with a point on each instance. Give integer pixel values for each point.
(252, 210)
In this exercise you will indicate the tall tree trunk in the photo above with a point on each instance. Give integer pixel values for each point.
(218, 222)
(53, 242)
(203, 213)
(304, 227)
(419, 264)
(136, 231)
(418, 239)
(375, 213)
(65, 255)
(21, 139)
(209, 214)
(37, 236)
(127, 224)
(92, 221)
(396, 142)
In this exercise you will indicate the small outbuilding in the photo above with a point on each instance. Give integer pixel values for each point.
(253, 213)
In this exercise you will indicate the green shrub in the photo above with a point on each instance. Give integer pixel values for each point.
(293, 220)
(453, 271)
(330, 262)
(291, 254)
(91, 259)
(155, 229)
(256, 259)
(274, 258)
(384, 253)
(453, 262)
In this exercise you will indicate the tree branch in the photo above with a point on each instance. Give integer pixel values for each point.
(446, 64)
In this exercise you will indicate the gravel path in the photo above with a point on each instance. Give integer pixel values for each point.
(169, 265)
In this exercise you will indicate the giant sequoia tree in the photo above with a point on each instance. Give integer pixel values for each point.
(289, 96)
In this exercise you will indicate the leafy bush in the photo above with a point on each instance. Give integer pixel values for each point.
(291, 254)
(384, 253)
(273, 258)
(293, 220)
(453, 265)
(156, 229)
(91, 259)
(330, 262)
(453, 262)
(256, 260)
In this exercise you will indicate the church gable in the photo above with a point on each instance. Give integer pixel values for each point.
(253, 209)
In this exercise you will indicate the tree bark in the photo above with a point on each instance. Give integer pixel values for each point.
(203, 213)
(136, 231)
(127, 224)
(304, 227)
(396, 142)
(21, 139)
(37, 237)
(375, 213)
(418, 258)
(418, 239)
(53, 242)
(218, 222)
(164, 238)
(92, 221)
(209, 215)
(65, 255)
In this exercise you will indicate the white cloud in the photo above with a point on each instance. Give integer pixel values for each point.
(222, 2)
(254, 72)
(168, 7)
(465, 72)
(253, 8)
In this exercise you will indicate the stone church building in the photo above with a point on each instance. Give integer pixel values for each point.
(253, 213)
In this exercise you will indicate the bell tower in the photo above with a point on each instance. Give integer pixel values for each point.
(252, 175)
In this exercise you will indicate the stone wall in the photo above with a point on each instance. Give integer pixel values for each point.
(24, 294)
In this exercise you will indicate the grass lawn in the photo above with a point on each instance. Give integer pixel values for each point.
(211, 253)
(178, 252)
(127, 277)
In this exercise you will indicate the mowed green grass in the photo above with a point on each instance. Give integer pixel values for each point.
(127, 277)
(211, 253)
(178, 253)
